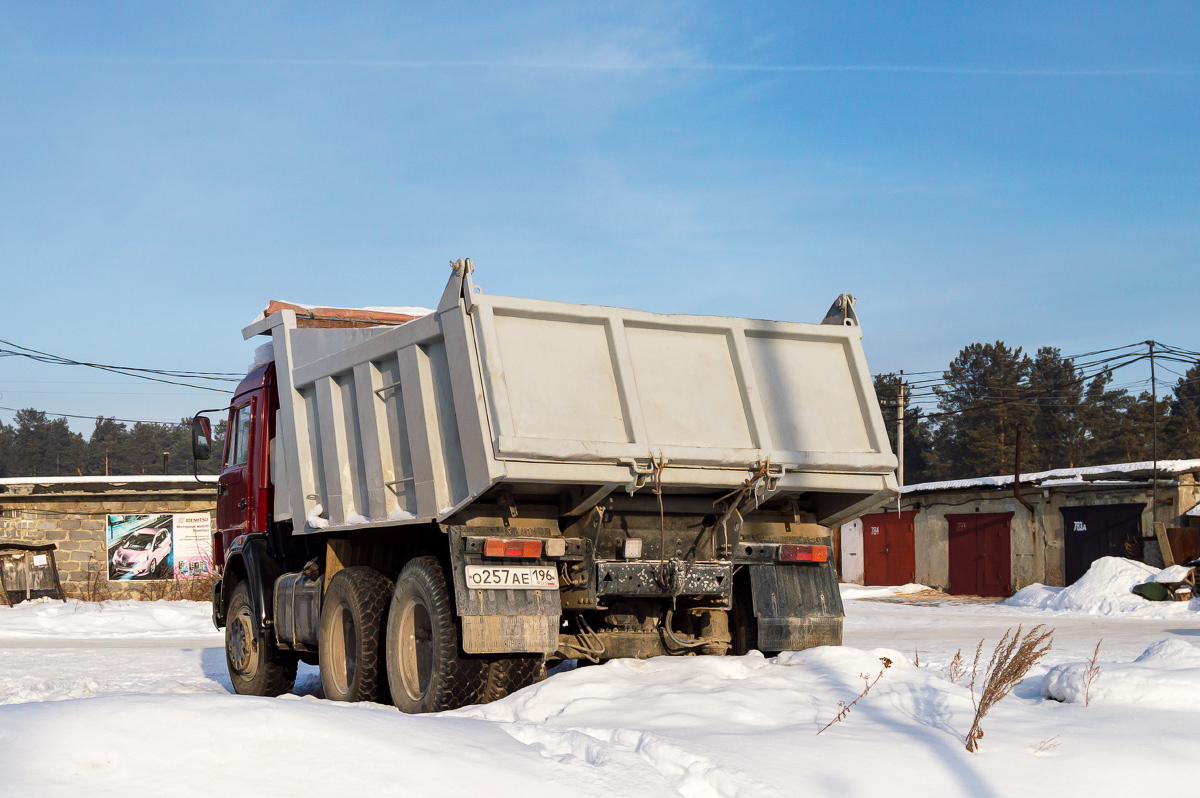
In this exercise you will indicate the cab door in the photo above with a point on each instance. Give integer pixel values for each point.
(233, 485)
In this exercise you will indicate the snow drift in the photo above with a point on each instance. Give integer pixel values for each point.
(1104, 590)
(1165, 676)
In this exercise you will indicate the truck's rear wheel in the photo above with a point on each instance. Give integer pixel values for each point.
(508, 674)
(256, 666)
(427, 671)
(350, 638)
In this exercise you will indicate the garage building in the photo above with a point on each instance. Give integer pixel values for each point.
(980, 537)
(80, 515)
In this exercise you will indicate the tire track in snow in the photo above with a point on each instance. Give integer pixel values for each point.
(692, 775)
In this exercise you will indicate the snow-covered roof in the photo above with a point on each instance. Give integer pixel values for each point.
(113, 480)
(1114, 473)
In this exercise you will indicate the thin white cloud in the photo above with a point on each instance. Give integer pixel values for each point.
(624, 63)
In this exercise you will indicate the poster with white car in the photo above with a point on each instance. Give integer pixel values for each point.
(158, 546)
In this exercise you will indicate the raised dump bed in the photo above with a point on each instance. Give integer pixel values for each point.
(387, 425)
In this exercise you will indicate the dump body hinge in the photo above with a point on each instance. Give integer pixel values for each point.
(841, 312)
(507, 502)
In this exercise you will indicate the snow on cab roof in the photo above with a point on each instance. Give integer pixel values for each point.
(318, 315)
(1114, 472)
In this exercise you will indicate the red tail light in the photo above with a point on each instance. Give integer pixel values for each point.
(498, 547)
(794, 552)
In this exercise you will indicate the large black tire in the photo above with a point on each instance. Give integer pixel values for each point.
(427, 669)
(743, 625)
(509, 673)
(256, 665)
(350, 637)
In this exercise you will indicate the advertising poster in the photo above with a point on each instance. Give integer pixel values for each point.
(193, 545)
(139, 547)
(158, 546)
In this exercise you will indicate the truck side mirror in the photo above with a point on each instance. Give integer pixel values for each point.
(201, 438)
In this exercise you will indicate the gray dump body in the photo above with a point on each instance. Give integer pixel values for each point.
(395, 425)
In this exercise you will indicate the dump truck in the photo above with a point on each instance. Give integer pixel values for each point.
(433, 508)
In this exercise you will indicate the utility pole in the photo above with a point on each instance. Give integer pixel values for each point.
(899, 435)
(900, 428)
(1154, 438)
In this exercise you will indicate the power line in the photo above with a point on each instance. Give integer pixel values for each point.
(96, 417)
(154, 375)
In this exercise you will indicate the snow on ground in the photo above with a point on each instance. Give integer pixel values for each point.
(77, 620)
(91, 707)
(871, 591)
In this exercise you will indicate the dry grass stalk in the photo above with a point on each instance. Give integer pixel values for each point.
(917, 657)
(96, 587)
(1091, 672)
(957, 668)
(844, 708)
(1047, 744)
(199, 589)
(1015, 655)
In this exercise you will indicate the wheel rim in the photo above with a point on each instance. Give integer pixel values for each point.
(416, 649)
(240, 644)
(343, 654)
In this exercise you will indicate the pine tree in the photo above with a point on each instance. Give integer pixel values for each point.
(106, 448)
(984, 397)
(7, 440)
(1056, 389)
(1182, 429)
(44, 448)
(1103, 419)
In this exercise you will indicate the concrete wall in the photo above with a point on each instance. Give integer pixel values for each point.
(1037, 548)
(71, 514)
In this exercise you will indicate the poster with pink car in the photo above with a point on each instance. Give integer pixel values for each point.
(158, 546)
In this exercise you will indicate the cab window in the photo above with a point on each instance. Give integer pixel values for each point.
(241, 440)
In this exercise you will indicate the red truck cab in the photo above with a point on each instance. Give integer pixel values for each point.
(244, 487)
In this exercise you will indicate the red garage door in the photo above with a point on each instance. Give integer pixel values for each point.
(888, 553)
(979, 554)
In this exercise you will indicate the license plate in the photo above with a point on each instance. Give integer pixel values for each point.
(512, 577)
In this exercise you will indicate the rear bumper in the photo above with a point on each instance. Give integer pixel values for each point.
(658, 578)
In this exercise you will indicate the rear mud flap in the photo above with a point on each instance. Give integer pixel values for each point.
(503, 621)
(510, 634)
(797, 606)
(508, 621)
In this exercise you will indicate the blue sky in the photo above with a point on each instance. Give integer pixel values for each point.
(970, 172)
